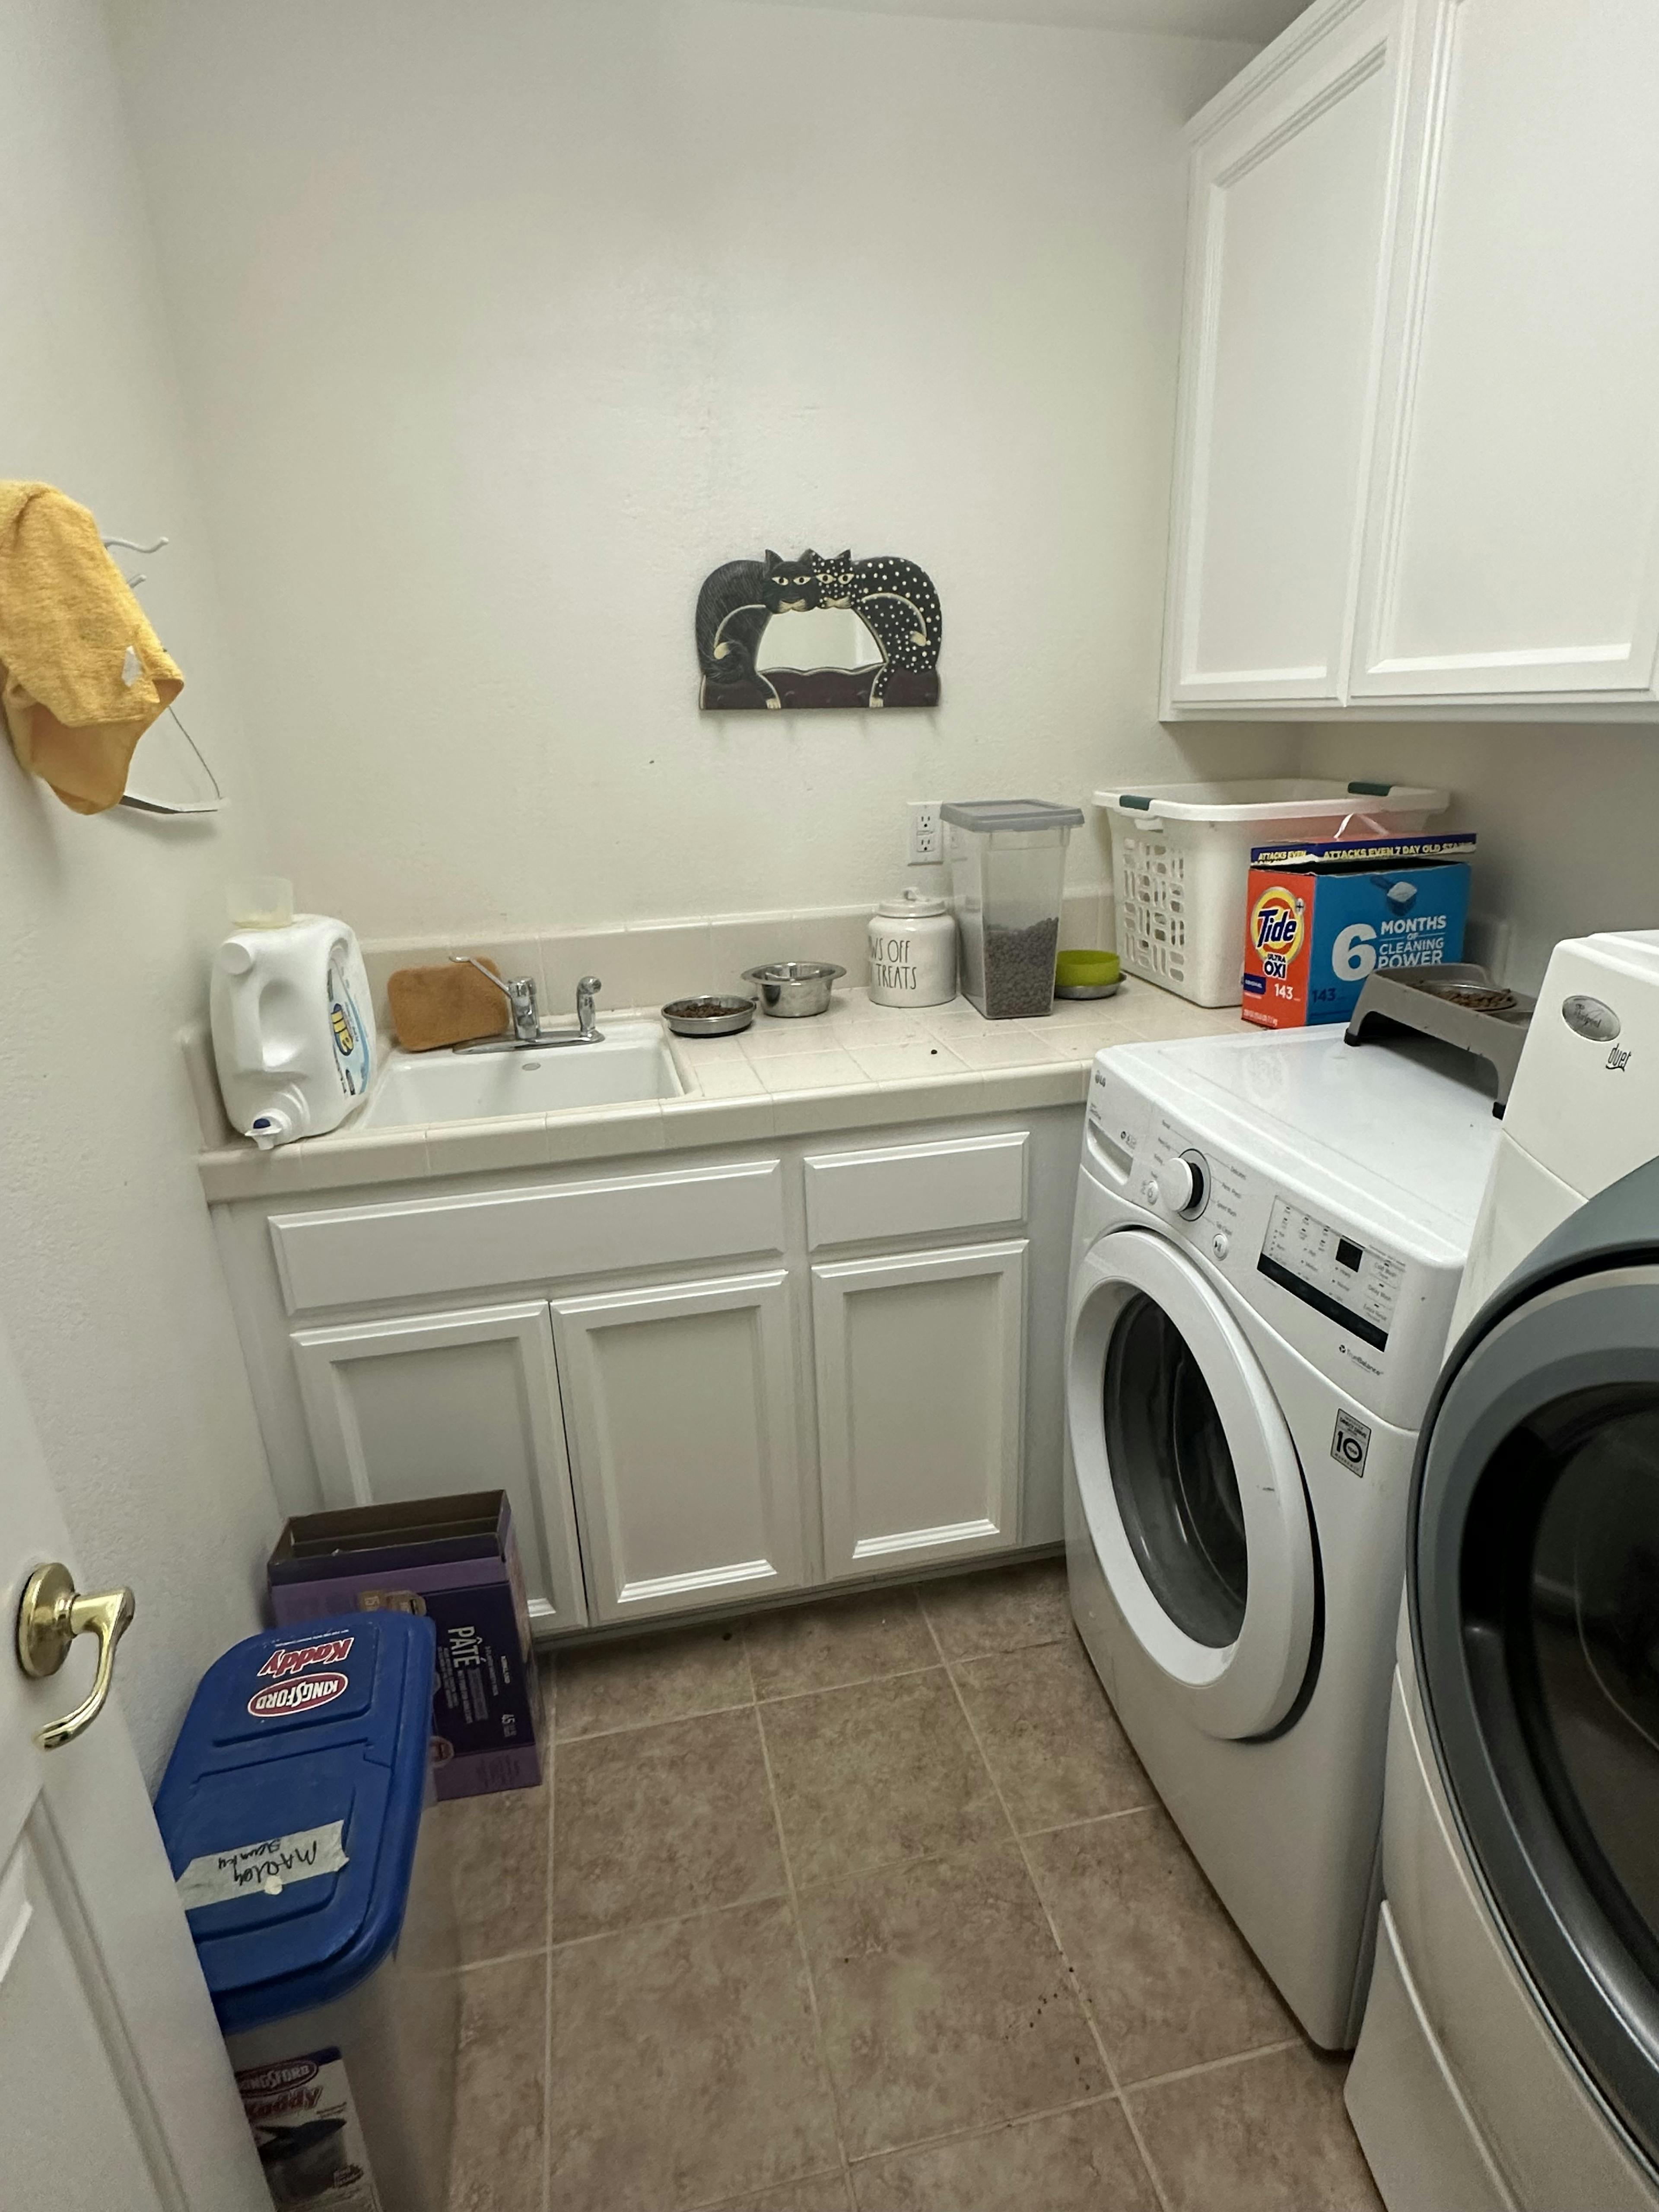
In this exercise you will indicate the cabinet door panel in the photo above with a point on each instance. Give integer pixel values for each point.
(1514, 503)
(1290, 199)
(920, 1364)
(680, 1402)
(432, 1404)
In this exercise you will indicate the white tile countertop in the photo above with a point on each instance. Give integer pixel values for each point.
(856, 1066)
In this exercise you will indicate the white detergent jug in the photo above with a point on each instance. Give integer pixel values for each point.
(293, 1028)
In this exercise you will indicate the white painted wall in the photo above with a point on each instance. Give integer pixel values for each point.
(502, 325)
(111, 1287)
(1564, 819)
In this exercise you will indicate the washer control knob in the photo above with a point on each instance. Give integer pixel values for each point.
(1220, 1244)
(1178, 1183)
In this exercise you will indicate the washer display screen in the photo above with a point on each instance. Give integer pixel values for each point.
(1350, 1283)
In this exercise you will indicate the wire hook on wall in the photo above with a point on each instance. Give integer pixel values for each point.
(154, 805)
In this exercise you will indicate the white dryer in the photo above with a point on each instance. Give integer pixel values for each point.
(1267, 1242)
(1510, 2056)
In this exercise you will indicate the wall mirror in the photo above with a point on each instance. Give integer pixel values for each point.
(819, 630)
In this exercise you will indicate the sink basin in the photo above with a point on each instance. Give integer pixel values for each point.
(633, 1062)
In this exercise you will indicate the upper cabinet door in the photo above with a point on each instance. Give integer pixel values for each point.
(680, 1406)
(1510, 538)
(1293, 175)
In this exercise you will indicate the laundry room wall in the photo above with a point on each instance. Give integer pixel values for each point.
(110, 1288)
(1564, 817)
(503, 325)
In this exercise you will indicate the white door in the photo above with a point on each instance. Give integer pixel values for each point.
(1291, 178)
(429, 1405)
(114, 2087)
(680, 1407)
(921, 1371)
(1189, 1484)
(1511, 535)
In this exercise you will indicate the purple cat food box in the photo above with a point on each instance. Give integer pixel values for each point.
(456, 1560)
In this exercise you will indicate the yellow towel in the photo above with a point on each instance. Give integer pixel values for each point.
(84, 675)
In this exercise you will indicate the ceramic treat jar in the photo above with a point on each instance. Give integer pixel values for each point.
(913, 952)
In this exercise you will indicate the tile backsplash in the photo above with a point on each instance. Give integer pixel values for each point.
(649, 962)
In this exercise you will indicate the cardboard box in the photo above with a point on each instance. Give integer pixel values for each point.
(455, 1559)
(1321, 918)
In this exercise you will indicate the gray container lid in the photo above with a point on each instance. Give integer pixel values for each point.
(987, 814)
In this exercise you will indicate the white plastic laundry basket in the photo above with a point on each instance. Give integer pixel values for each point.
(1181, 863)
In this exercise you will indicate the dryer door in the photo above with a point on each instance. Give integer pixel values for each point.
(1533, 1577)
(1190, 1485)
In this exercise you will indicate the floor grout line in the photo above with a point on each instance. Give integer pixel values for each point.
(987, 2127)
(1091, 1821)
(806, 1961)
(1212, 2065)
(668, 1919)
(659, 1720)
(856, 1683)
(1072, 1974)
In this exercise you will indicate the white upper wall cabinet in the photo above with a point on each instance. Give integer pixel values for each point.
(1419, 462)
(1292, 170)
(1510, 547)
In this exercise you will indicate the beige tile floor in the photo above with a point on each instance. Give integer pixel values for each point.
(866, 1906)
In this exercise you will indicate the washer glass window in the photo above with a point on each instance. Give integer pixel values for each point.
(1173, 1475)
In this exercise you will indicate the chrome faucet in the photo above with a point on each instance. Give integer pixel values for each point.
(520, 992)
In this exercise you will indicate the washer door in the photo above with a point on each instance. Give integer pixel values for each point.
(1533, 1578)
(1190, 1485)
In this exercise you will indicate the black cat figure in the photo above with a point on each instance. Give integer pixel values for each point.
(894, 599)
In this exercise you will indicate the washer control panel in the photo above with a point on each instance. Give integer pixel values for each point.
(1363, 1313)
(1356, 1286)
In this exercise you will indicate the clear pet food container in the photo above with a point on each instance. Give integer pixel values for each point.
(1007, 873)
(1181, 863)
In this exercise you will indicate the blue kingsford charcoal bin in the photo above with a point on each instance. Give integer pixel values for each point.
(292, 1811)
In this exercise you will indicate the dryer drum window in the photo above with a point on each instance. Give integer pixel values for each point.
(1560, 1584)
(1173, 1475)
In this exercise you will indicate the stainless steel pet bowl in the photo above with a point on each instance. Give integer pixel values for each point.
(794, 988)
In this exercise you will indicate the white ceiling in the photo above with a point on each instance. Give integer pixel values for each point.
(1255, 20)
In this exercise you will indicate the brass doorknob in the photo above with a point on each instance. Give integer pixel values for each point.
(53, 1614)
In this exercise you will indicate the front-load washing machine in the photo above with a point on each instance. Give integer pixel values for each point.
(1510, 2051)
(1268, 1238)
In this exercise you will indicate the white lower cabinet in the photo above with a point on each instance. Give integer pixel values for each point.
(428, 1405)
(680, 1414)
(920, 1386)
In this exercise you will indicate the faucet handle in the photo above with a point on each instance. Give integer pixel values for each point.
(590, 983)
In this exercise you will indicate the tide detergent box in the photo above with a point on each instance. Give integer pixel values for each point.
(1320, 917)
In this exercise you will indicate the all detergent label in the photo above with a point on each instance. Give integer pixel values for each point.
(1321, 918)
(351, 1058)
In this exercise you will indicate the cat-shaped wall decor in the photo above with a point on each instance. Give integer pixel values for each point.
(896, 611)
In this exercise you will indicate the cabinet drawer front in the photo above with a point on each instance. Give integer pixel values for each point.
(354, 1255)
(915, 1190)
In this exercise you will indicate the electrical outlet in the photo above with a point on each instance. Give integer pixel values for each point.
(927, 839)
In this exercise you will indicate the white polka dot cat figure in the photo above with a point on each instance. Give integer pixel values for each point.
(897, 604)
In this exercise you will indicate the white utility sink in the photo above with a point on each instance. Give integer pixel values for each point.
(632, 1062)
